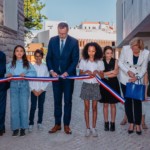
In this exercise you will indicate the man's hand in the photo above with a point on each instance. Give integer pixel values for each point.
(65, 74)
(54, 74)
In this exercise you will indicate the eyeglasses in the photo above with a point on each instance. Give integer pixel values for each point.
(38, 56)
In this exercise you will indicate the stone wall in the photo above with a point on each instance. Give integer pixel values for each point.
(8, 37)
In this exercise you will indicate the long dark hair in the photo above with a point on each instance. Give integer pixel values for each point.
(106, 48)
(98, 54)
(24, 58)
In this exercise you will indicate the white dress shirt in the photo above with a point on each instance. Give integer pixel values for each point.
(42, 71)
(60, 41)
(91, 66)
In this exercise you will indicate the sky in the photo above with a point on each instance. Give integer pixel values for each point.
(77, 11)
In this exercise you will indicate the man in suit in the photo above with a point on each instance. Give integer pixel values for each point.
(3, 92)
(62, 59)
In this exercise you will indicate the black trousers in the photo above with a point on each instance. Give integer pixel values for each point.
(3, 94)
(41, 100)
(133, 109)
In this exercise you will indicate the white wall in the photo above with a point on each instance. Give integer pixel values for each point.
(43, 37)
(119, 19)
(90, 26)
(132, 13)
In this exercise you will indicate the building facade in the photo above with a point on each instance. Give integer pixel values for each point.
(104, 26)
(133, 20)
(84, 35)
(11, 25)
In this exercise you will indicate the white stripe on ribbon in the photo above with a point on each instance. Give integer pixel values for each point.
(109, 89)
(51, 79)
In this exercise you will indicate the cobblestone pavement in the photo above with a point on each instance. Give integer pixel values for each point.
(41, 140)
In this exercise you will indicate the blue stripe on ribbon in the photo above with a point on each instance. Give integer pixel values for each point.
(49, 79)
(109, 89)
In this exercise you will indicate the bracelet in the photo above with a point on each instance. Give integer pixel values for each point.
(105, 76)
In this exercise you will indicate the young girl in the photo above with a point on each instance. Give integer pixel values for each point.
(110, 72)
(91, 65)
(38, 90)
(19, 90)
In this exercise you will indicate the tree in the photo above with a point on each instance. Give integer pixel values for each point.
(32, 11)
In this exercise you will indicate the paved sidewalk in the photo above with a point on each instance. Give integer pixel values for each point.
(41, 140)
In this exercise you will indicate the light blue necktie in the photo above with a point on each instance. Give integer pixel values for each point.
(61, 50)
(62, 46)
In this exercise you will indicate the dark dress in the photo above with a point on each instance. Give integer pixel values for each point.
(112, 82)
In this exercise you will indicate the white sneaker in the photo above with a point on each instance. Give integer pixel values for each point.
(30, 128)
(94, 132)
(87, 132)
(40, 127)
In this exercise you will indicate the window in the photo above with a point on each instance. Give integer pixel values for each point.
(10, 10)
(113, 43)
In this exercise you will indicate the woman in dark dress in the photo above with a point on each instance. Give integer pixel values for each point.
(110, 74)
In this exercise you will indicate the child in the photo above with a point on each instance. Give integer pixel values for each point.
(38, 90)
(110, 72)
(91, 65)
(19, 90)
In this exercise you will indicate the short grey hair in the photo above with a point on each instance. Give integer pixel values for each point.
(62, 25)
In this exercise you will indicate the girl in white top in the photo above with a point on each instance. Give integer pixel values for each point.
(38, 90)
(91, 64)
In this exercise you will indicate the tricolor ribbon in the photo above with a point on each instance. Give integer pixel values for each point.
(51, 79)
(110, 90)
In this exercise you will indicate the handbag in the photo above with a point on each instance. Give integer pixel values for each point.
(135, 91)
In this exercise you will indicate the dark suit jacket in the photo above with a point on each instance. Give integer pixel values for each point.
(3, 86)
(68, 59)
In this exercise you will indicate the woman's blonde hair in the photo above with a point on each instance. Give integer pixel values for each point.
(137, 41)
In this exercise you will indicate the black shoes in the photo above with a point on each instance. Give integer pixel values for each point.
(16, 132)
(2, 131)
(22, 132)
(106, 126)
(130, 131)
(112, 126)
(138, 132)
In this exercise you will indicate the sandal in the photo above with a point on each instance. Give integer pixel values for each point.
(123, 122)
(144, 126)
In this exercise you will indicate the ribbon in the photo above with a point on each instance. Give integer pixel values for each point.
(110, 90)
(44, 79)
(51, 79)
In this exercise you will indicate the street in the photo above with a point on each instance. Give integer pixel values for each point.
(41, 140)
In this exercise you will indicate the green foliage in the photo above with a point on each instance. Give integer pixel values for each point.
(32, 11)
